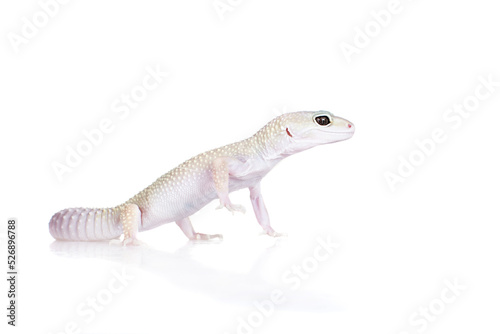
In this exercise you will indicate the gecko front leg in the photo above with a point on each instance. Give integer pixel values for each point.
(261, 212)
(221, 168)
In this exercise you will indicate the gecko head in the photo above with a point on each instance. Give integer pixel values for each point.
(306, 129)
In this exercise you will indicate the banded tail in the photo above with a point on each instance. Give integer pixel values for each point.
(82, 224)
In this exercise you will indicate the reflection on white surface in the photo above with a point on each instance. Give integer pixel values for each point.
(230, 273)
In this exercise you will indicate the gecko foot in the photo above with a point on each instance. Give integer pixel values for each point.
(277, 234)
(232, 207)
(272, 233)
(201, 236)
(132, 242)
(127, 242)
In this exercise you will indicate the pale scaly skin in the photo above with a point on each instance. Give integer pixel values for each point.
(214, 174)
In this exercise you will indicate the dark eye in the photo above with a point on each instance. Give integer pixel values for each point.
(322, 120)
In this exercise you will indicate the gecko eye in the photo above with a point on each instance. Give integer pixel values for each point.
(322, 120)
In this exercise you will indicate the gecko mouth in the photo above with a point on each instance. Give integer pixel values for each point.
(338, 132)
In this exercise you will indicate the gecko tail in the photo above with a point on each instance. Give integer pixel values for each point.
(84, 224)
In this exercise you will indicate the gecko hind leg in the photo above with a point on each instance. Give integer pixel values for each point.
(222, 167)
(130, 218)
(187, 228)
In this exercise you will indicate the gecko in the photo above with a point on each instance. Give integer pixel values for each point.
(211, 175)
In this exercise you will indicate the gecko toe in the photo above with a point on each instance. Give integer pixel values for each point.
(202, 236)
(126, 242)
(274, 234)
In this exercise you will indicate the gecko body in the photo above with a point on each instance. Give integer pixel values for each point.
(184, 190)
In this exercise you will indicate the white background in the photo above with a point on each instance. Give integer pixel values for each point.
(227, 78)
